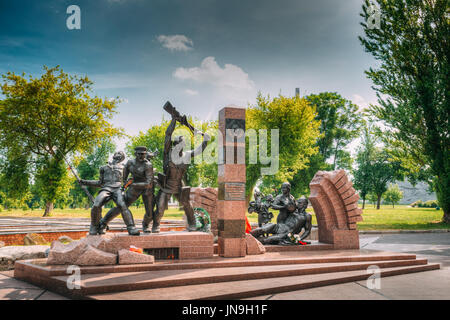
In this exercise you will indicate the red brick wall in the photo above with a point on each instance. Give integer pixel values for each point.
(206, 198)
(335, 204)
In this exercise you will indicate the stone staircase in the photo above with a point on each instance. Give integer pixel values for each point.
(221, 278)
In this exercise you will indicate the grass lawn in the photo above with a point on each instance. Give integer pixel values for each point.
(387, 218)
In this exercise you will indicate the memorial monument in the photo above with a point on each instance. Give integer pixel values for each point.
(134, 266)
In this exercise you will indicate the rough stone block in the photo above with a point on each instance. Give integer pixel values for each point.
(33, 239)
(130, 257)
(253, 245)
(65, 239)
(95, 257)
(65, 254)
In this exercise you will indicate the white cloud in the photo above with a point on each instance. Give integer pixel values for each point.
(362, 102)
(176, 42)
(230, 76)
(119, 81)
(191, 92)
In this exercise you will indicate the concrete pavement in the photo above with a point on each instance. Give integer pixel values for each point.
(424, 285)
(429, 285)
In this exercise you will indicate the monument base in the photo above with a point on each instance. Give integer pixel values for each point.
(165, 245)
(219, 278)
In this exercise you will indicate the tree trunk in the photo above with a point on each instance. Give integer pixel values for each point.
(48, 209)
(378, 201)
(364, 202)
(446, 218)
(442, 188)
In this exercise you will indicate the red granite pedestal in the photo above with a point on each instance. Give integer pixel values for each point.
(166, 245)
(231, 206)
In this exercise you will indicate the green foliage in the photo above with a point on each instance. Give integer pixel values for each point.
(375, 168)
(340, 124)
(88, 169)
(393, 195)
(202, 173)
(412, 84)
(426, 204)
(362, 174)
(57, 118)
(15, 180)
(52, 181)
(298, 132)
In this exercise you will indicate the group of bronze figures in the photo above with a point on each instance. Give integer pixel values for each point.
(116, 186)
(291, 220)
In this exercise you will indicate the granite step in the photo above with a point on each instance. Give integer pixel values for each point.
(39, 265)
(127, 281)
(256, 287)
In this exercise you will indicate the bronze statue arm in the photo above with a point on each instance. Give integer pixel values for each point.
(94, 183)
(126, 173)
(91, 183)
(168, 142)
(277, 205)
(201, 147)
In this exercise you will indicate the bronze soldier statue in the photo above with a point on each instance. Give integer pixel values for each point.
(110, 182)
(141, 171)
(261, 206)
(285, 202)
(174, 170)
(294, 223)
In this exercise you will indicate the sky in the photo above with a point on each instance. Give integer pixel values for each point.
(201, 55)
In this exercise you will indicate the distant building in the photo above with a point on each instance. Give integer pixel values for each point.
(413, 193)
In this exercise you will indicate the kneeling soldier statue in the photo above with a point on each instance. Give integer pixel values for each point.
(110, 182)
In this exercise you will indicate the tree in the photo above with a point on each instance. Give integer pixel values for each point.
(362, 174)
(383, 170)
(372, 198)
(51, 117)
(376, 168)
(88, 169)
(204, 174)
(298, 132)
(412, 82)
(393, 194)
(340, 124)
(15, 179)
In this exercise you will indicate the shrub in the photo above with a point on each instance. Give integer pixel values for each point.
(417, 203)
(430, 204)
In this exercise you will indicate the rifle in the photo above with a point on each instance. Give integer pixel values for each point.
(181, 119)
(85, 189)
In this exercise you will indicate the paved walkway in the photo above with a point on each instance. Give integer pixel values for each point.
(423, 285)
(14, 225)
(429, 285)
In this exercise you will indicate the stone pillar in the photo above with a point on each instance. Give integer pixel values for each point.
(231, 206)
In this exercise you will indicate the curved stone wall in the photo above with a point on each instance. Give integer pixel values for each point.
(335, 204)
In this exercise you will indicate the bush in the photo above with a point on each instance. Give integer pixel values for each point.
(426, 204)
(430, 204)
(417, 203)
